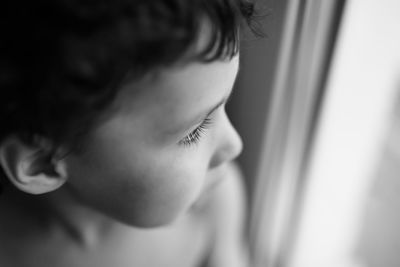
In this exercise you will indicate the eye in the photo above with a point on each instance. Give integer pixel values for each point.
(194, 137)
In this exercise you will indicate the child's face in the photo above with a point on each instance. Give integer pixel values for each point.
(141, 166)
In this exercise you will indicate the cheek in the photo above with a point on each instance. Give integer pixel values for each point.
(147, 191)
(166, 189)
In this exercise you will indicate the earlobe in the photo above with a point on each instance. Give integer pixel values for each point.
(33, 169)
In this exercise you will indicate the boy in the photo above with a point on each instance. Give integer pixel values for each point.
(115, 148)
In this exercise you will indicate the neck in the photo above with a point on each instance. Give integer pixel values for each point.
(58, 211)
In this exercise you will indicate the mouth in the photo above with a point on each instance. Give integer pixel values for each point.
(214, 180)
(213, 184)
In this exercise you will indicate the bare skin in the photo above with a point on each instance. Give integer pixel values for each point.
(208, 235)
(153, 186)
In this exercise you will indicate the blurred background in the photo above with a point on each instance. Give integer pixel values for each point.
(317, 104)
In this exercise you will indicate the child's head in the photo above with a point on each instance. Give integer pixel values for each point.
(117, 101)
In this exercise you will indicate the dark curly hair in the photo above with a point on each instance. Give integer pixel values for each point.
(62, 61)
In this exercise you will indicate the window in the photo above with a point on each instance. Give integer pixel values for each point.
(322, 114)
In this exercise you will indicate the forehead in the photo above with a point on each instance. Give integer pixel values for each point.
(181, 86)
(187, 74)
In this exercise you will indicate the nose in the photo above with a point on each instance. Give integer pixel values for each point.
(229, 144)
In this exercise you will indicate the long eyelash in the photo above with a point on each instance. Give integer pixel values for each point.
(194, 137)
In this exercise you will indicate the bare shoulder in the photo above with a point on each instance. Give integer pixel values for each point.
(226, 212)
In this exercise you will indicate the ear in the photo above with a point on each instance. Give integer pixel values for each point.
(34, 169)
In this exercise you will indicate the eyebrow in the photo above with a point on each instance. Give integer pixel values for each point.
(226, 98)
(222, 101)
